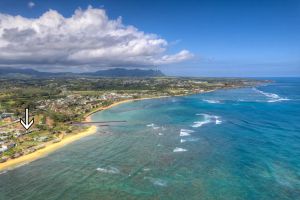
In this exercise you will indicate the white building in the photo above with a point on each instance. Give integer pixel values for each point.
(3, 148)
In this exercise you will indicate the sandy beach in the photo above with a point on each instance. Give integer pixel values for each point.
(88, 115)
(51, 147)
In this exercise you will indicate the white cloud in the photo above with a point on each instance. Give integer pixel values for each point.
(86, 39)
(31, 4)
(167, 59)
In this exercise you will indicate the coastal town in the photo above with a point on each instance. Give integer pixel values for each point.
(56, 103)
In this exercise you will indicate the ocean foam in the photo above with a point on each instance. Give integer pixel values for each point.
(185, 132)
(150, 125)
(189, 139)
(153, 126)
(160, 182)
(160, 134)
(272, 97)
(177, 149)
(22, 164)
(218, 121)
(109, 170)
(157, 181)
(200, 123)
(3, 172)
(278, 100)
(192, 139)
(207, 119)
(211, 101)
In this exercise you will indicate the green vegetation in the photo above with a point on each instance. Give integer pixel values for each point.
(57, 102)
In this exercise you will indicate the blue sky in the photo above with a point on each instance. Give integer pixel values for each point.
(225, 38)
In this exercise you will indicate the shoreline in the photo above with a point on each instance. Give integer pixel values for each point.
(51, 147)
(88, 115)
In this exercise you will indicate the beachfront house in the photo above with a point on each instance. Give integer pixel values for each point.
(17, 134)
(3, 149)
(7, 146)
(41, 139)
(3, 136)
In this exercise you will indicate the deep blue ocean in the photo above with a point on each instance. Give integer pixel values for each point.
(228, 144)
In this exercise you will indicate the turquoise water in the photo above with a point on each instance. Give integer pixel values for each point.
(228, 144)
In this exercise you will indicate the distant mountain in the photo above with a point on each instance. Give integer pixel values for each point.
(26, 73)
(120, 72)
(116, 72)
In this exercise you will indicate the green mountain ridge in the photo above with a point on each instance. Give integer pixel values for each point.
(115, 72)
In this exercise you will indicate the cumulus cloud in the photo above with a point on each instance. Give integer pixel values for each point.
(87, 39)
(31, 4)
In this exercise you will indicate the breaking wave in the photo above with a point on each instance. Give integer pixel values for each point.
(153, 126)
(3, 172)
(211, 101)
(185, 132)
(189, 140)
(157, 181)
(177, 149)
(218, 121)
(108, 170)
(206, 120)
(271, 96)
